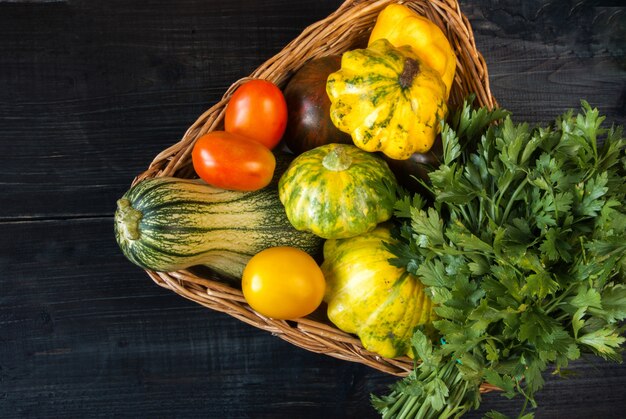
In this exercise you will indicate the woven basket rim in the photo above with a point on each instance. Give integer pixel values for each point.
(342, 29)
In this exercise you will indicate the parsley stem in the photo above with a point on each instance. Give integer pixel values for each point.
(521, 391)
(465, 215)
(557, 301)
(512, 199)
(408, 408)
(397, 404)
(524, 407)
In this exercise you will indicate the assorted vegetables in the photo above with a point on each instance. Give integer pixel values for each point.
(485, 249)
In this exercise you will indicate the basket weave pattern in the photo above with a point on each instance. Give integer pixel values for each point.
(346, 28)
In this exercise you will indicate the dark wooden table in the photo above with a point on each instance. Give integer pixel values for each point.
(90, 91)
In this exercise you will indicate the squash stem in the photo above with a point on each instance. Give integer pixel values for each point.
(337, 159)
(127, 219)
(410, 70)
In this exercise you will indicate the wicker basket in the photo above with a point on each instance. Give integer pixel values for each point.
(347, 27)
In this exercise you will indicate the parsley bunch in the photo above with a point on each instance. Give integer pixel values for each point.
(522, 249)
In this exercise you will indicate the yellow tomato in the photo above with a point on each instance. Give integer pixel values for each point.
(283, 283)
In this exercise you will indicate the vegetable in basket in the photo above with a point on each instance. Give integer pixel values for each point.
(334, 191)
(308, 107)
(283, 282)
(231, 161)
(414, 170)
(387, 99)
(379, 302)
(257, 110)
(523, 253)
(167, 224)
(402, 26)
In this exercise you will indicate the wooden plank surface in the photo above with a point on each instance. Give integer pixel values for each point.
(91, 91)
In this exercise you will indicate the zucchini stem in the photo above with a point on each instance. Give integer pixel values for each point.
(127, 218)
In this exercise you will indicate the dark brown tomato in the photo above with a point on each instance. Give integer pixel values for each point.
(308, 107)
(417, 166)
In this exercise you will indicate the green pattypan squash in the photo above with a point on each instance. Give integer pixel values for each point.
(337, 191)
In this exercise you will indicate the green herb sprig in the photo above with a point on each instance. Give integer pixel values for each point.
(523, 251)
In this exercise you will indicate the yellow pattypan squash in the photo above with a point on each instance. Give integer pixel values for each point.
(402, 26)
(382, 304)
(387, 99)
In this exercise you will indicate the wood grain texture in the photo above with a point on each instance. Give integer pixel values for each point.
(91, 91)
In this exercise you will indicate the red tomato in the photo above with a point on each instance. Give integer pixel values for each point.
(230, 161)
(257, 110)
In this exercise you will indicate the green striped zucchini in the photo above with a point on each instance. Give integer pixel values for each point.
(167, 224)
